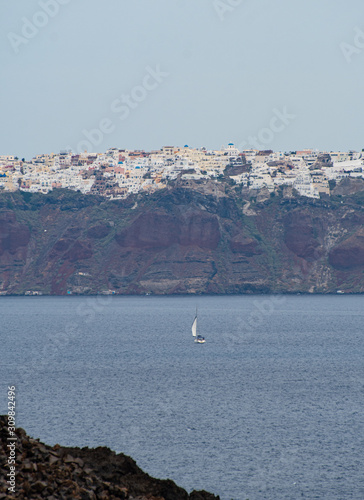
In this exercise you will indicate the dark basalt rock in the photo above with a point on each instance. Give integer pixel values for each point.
(79, 474)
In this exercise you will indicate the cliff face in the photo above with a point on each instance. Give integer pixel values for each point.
(14, 237)
(199, 239)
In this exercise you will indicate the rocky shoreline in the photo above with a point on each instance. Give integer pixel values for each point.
(58, 472)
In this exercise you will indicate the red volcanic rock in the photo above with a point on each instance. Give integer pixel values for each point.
(158, 230)
(245, 246)
(12, 234)
(200, 230)
(62, 245)
(150, 230)
(73, 232)
(98, 232)
(180, 241)
(299, 236)
(81, 250)
(78, 250)
(350, 253)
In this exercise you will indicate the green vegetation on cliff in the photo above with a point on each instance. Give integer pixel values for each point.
(196, 239)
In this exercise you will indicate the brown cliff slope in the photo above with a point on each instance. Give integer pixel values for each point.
(180, 240)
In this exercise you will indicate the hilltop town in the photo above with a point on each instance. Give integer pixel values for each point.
(117, 173)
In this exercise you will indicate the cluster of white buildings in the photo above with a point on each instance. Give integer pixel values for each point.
(119, 172)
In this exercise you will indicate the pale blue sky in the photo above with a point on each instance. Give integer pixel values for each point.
(228, 74)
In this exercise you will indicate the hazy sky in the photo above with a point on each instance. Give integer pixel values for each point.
(147, 73)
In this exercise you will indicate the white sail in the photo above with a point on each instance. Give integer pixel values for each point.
(194, 327)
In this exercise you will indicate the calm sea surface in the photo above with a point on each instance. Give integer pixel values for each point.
(271, 407)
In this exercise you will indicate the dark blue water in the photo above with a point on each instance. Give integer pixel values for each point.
(271, 407)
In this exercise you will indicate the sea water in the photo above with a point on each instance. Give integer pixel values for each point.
(270, 407)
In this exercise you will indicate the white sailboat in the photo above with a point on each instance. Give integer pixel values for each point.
(198, 338)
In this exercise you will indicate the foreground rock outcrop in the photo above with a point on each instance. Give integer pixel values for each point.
(45, 472)
(202, 238)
